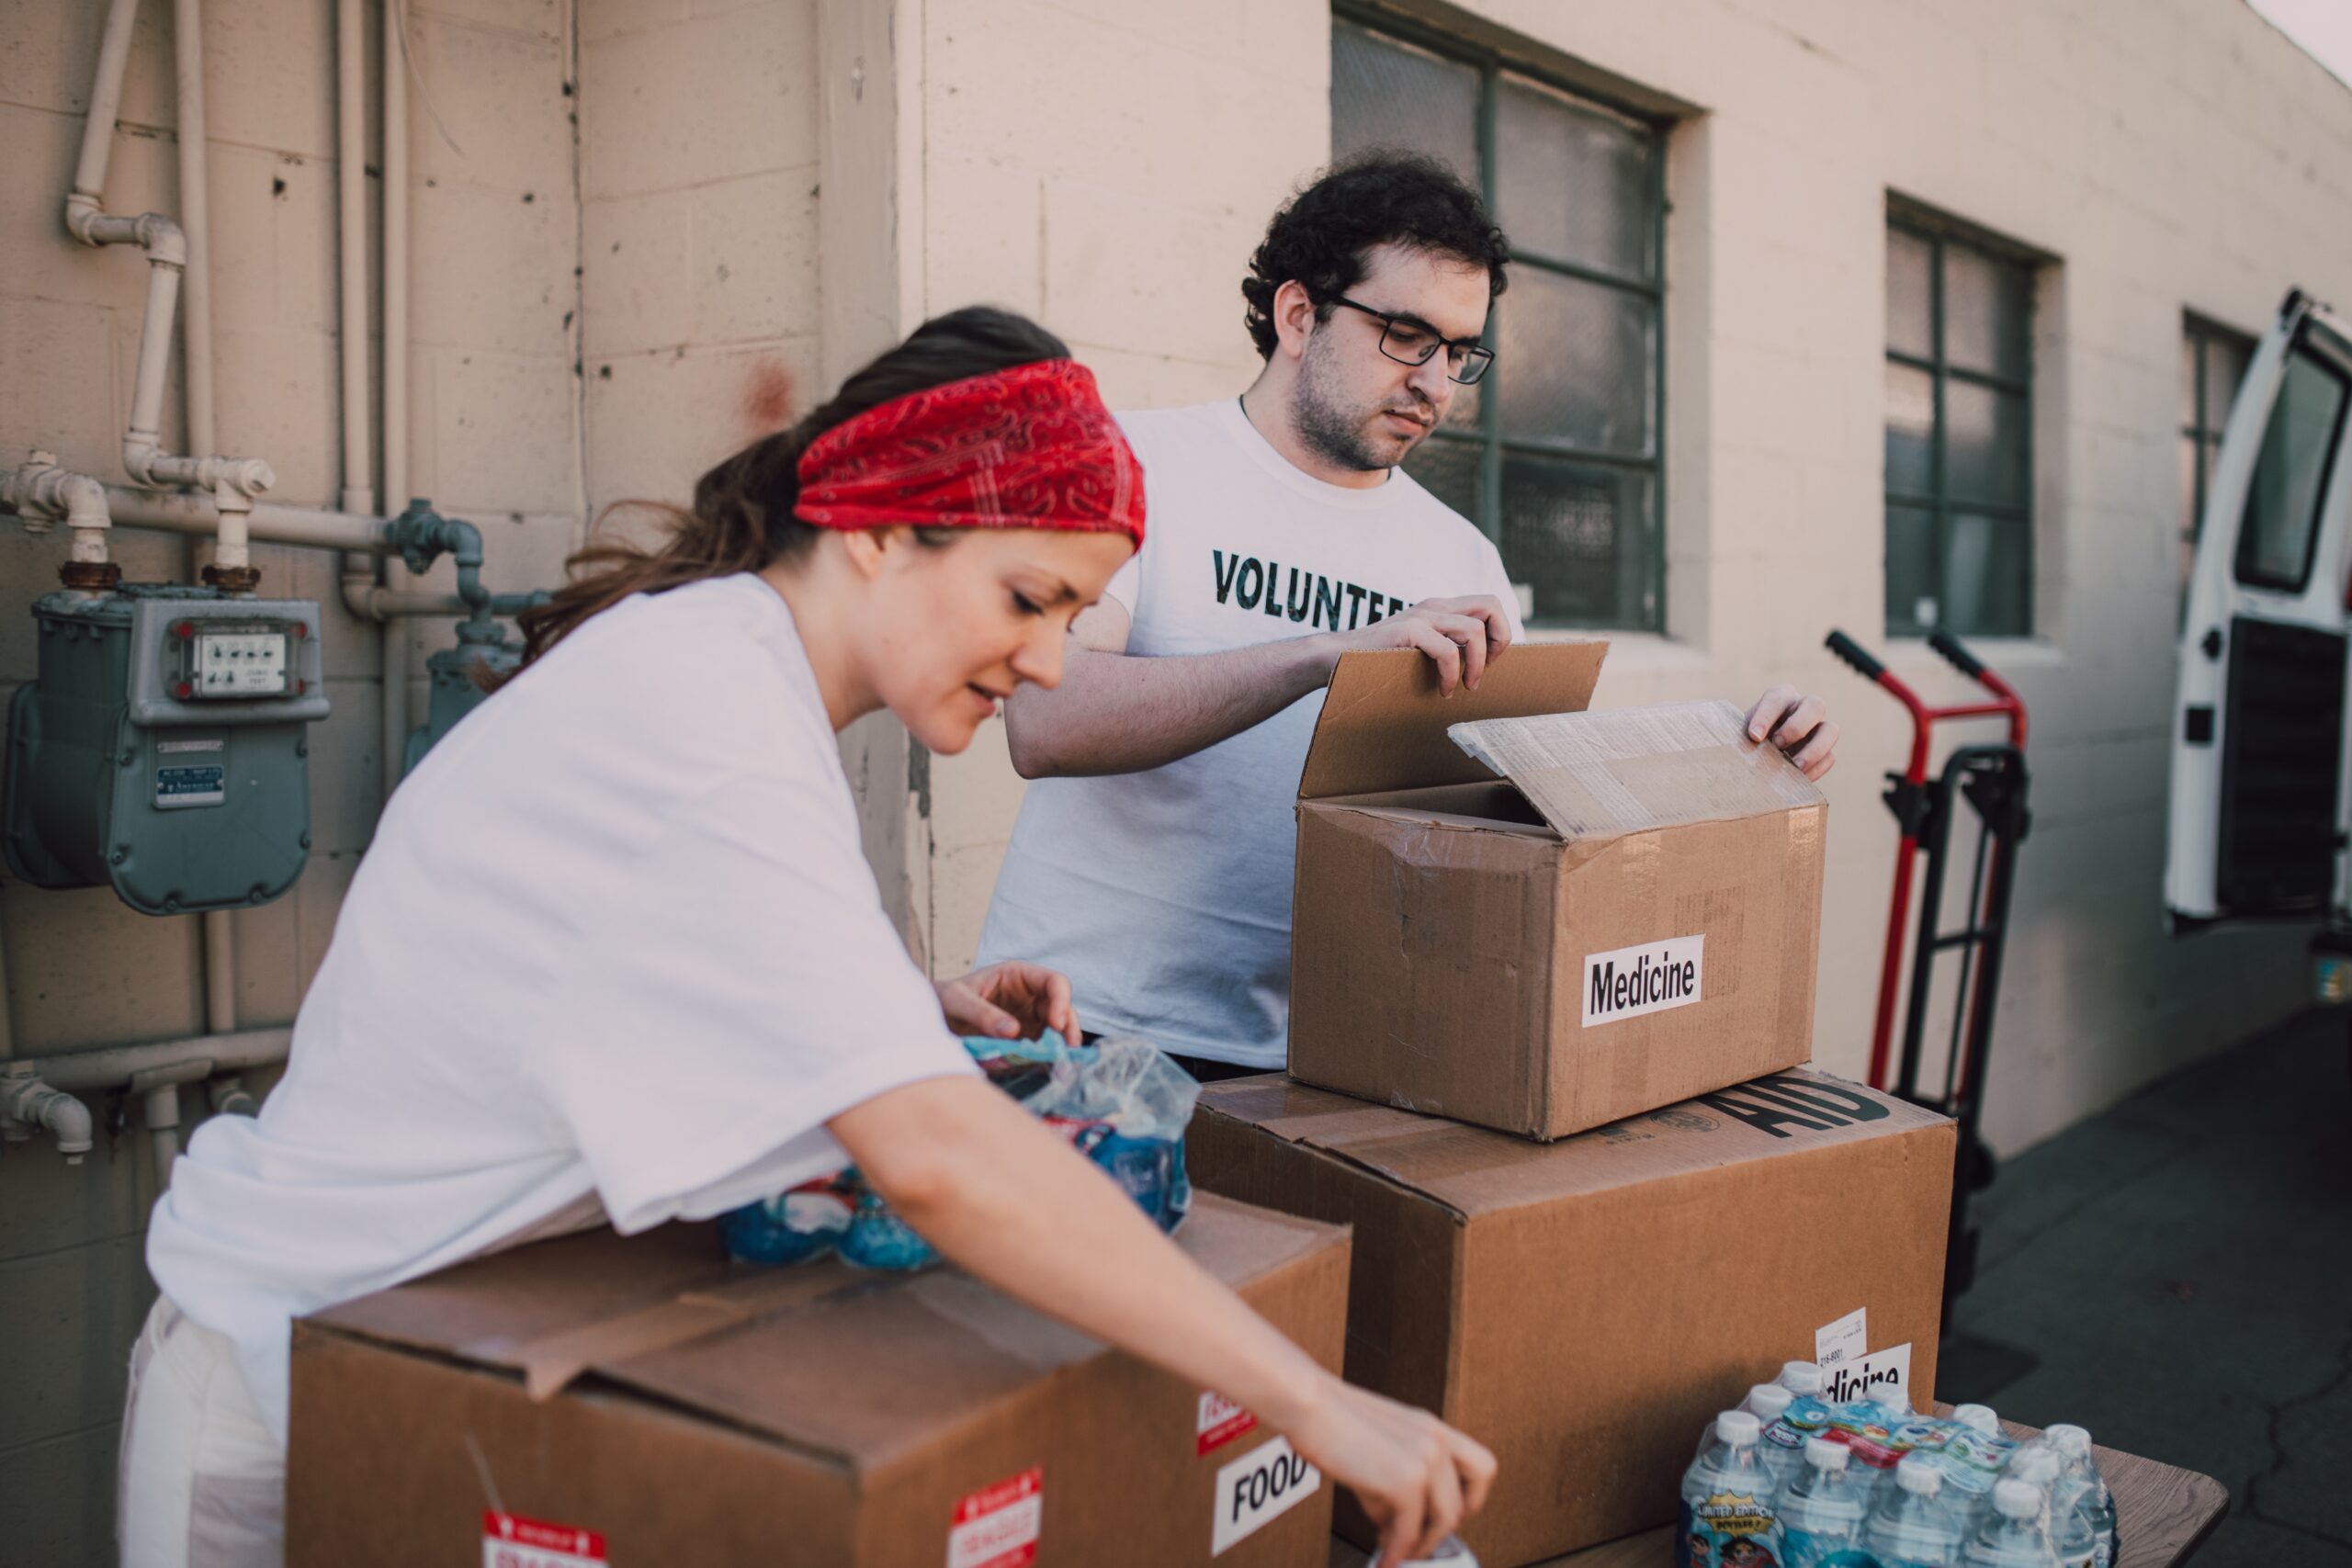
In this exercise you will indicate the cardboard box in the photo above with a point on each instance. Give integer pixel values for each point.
(1584, 1307)
(1622, 912)
(816, 1416)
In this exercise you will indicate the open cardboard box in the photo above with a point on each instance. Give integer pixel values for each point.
(1613, 912)
(641, 1400)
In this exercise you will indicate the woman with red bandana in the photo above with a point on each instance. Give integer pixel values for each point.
(614, 954)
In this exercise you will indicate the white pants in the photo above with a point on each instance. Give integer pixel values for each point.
(203, 1484)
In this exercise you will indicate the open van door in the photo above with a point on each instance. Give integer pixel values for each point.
(2258, 764)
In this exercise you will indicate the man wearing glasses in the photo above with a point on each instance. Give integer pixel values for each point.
(1151, 862)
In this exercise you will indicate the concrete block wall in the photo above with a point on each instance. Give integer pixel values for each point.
(698, 172)
(2170, 154)
(495, 431)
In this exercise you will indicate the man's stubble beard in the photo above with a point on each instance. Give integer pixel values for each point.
(1327, 427)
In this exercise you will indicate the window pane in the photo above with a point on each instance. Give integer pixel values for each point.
(1910, 301)
(1985, 311)
(1911, 599)
(1986, 566)
(2282, 505)
(1984, 444)
(2192, 347)
(1388, 94)
(2192, 490)
(1577, 362)
(1910, 430)
(2225, 360)
(1584, 536)
(1571, 181)
(1452, 471)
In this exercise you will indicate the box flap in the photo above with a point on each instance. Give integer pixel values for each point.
(1473, 1171)
(1627, 769)
(834, 1359)
(1383, 724)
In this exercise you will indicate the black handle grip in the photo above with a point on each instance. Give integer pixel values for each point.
(1958, 656)
(1849, 650)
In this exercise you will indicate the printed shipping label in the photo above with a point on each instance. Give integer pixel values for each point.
(1221, 1421)
(1262, 1485)
(997, 1526)
(1837, 1343)
(1883, 1375)
(1649, 978)
(510, 1540)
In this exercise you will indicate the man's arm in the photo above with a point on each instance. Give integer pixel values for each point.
(1119, 713)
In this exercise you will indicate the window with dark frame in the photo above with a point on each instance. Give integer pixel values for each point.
(1959, 433)
(1555, 454)
(2213, 362)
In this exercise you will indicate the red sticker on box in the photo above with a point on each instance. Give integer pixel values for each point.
(510, 1540)
(1221, 1422)
(997, 1526)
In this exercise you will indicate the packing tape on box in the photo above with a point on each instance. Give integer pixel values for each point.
(550, 1364)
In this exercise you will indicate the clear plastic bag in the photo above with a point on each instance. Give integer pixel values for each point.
(1120, 1102)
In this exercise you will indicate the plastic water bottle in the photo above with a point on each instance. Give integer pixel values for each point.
(1802, 1379)
(1979, 1416)
(1821, 1513)
(2014, 1536)
(1780, 1449)
(1727, 1492)
(1767, 1402)
(2089, 1498)
(1907, 1526)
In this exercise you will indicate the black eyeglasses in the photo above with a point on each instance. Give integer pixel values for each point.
(1409, 341)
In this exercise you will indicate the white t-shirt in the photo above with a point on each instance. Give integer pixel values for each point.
(1166, 894)
(613, 952)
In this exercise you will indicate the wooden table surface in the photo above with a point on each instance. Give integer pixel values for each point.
(2161, 1514)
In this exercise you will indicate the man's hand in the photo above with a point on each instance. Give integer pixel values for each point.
(1011, 1000)
(1459, 635)
(1800, 726)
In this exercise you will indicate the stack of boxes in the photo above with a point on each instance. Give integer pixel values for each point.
(1574, 1192)
(1560, 966)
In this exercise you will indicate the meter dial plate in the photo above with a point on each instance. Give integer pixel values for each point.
(236, 661)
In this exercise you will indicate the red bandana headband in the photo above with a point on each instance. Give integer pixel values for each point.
(1028, 447)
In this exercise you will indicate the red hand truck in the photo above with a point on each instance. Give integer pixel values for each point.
(1991, 779)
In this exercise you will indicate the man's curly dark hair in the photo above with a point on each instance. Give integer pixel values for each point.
(1379, 197)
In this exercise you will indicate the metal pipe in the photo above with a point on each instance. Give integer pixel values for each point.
(181, 513)
(167, 257)
(160, 1108)
(376, 602)
(27, 1103)
(351, 180)
(196, 319)
(111, 1066)
(106, 106)
(392, 638)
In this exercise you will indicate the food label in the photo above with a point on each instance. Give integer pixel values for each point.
(1262, 1485)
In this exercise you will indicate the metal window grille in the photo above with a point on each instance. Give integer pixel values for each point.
(1558, 453)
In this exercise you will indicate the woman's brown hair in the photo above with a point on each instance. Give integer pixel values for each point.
(741, 519)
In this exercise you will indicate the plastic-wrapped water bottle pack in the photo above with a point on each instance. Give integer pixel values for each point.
(1790, 1481)
(1119, 1103)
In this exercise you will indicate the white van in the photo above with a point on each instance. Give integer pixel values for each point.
(2259, 771)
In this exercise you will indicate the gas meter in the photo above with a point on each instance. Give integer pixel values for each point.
(162, 749)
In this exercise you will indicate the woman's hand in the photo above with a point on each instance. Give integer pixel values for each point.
(963, 1165)
(1007, 1001)
(1417, 1478)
